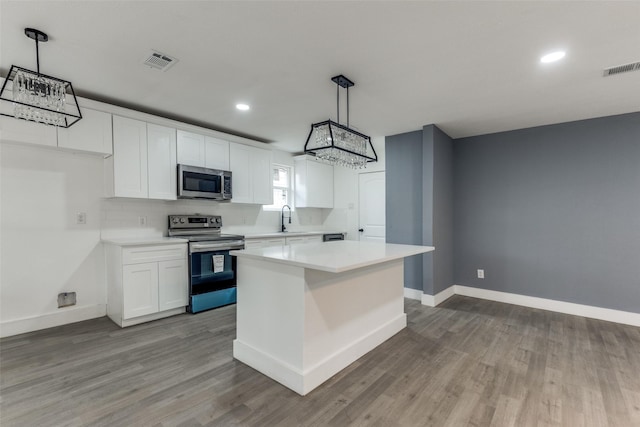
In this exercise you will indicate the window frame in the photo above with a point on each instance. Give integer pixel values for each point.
(289, 188)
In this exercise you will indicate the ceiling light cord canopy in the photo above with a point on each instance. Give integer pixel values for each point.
(30, 95)
(337, 144)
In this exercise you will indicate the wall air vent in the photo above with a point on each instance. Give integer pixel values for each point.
(621, 69)
(159, 61)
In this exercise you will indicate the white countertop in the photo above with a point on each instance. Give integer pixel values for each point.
(267, 235)
(139, 241)
(334, 257)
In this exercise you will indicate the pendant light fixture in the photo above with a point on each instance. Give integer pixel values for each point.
(30, 95)
(337, 144)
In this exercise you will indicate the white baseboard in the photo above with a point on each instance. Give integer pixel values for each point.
(413, 293)
(617, 316)
(62, 317)
(303, 382)
(439, 298)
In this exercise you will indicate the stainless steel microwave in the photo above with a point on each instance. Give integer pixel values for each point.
(202, 183)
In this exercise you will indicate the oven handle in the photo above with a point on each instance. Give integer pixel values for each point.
(224, 246)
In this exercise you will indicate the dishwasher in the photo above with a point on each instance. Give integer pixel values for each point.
(332, 236)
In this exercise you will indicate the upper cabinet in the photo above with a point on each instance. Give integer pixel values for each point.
(313, 183)
(143, 164)
(161, 162)
(251, 174)
(90, 135)
(203, 151)
(17, 130)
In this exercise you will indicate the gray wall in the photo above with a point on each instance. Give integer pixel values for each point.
(419, 184)
(552, 211)
(403, 166)
(442, 210)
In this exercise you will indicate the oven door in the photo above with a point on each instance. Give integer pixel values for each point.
(212, 272)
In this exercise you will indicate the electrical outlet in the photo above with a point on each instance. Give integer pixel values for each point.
(81, 218)
(142, 221)
(480, 274)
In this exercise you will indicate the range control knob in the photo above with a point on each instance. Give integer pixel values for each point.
(181, 220)
(218, 220)
(174, 220)
(211, 219)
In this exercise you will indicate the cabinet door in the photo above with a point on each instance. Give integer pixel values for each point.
(261, 178)
(190, 148)
(173, 284)
(129, 157)
(277, 241)
(161, 159)
(216, 153)
(319, 184)
(139, 289)
(18, 130)
(91, 134)
(253, 243)
(240, 166)
(314, 239)
(295, 240)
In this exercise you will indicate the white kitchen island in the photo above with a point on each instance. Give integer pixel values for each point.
(305, 312)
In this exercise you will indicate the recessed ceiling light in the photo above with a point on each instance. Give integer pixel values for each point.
(553, 56)
(242, 107)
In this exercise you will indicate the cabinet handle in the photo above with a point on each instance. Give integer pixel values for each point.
(361, 230)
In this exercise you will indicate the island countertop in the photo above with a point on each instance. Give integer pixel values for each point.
(334, 257)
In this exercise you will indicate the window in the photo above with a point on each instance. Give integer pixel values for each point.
(282, 188)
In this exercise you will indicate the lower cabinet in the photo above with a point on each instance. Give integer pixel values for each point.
(146, 282)
(250, 243)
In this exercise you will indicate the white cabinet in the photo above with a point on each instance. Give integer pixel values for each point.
(92, 134)
(313, 183)
(129, 158)
(161, 161)
(17, 130)
(143, 164)
(264, 242)
(204, 151)
(251, 169)
(190, 148)
(146, 282)
(216, 153)
(139, 289)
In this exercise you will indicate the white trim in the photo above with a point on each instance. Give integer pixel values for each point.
(439, 298)
(600, 313)
(58, 318)
(307, 380)
(413, 293)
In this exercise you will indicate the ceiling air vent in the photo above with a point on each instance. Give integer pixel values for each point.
(621, 69)
(159, 61)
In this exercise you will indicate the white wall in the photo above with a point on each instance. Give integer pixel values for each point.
(345, 192)
(44, 252)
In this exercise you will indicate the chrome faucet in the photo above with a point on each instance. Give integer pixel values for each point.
(283, 228)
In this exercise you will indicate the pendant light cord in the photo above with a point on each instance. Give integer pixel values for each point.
(37, 56)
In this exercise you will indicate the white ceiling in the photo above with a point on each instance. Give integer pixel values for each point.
(469, 67)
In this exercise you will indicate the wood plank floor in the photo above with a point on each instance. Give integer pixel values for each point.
(467, 362)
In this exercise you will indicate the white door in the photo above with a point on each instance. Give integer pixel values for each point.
(161, 150)
(173, 288)
(261, 176)
(130, 157)
(372, 206)
(190, 148)
(216, 153)
(140, 289)
(240, 166)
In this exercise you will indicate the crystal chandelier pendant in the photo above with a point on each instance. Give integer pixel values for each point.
(31, 95)
(337, 144)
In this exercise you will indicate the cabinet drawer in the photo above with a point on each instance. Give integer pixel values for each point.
(140, 254)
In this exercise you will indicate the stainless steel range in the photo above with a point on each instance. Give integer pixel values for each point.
(212, 271)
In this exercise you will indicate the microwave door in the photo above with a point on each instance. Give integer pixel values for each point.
(196, 184)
